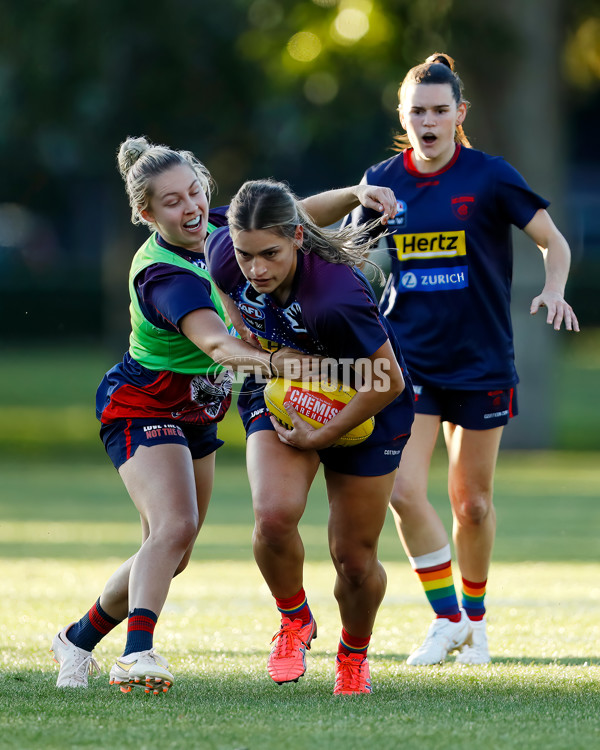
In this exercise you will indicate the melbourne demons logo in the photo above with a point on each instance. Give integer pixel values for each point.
(463, 206)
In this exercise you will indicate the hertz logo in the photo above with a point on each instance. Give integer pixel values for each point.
(430, 245)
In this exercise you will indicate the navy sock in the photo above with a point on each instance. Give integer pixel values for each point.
(140, 630)
(92, 628)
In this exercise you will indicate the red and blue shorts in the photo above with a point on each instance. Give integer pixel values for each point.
(123, 437)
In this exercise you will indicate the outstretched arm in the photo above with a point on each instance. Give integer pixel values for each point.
(206, 329)
(557, 260)
(327, 208)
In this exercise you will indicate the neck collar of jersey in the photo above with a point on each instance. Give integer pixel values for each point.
(409, 163)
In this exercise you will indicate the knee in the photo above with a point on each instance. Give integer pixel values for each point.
(178, 534)
(354, 566)
(403, 499)
(274, 525)
(473, 509)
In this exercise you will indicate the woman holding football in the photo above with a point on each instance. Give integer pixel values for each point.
(448, 302)
(160, 406)
(297, 285)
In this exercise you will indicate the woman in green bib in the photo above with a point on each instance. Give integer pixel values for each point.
(159, 407)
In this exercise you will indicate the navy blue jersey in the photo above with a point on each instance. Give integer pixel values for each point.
(331, 311)
(448, 294)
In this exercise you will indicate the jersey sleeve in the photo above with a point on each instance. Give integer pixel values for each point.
(220, 259)
(167, 293)
(218, 216)
(516, 201)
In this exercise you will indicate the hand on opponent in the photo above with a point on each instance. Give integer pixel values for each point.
(295, 365)
(381, 199)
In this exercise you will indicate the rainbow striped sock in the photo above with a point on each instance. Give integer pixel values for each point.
(92, 628)
(295, 608)
(473, 595)
(140, 630)
(350, 644)
(435, 573)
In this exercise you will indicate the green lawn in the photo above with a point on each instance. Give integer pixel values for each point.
(64, 527)
(66, 523)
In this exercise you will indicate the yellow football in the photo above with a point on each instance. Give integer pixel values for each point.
(317, 403)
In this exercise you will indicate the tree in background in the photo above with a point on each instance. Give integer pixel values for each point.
(303, 91)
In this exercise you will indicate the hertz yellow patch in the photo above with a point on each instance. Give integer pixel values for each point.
(430, 245)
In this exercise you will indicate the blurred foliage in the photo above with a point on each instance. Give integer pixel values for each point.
(303, 90)
(252, 86)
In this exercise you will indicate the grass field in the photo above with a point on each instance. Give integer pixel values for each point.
(66, 523)
(64, 527)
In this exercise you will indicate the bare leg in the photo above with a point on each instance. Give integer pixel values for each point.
(279, 500)
(162, 482)
(420, 529)
(472, 461)
(115, 597)
(357, 509)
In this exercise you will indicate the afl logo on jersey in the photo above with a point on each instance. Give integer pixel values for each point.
(463, 206)
(399, 219)
(253, 313)
(409, 280)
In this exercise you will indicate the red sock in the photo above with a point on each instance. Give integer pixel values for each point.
(295, 608)
(350, 644)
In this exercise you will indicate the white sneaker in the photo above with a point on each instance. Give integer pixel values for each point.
(75, 663)
(477, 652)
(145, 669)
(443, 637)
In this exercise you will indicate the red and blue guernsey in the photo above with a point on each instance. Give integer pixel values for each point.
(448, 294)
(332, 311)
(164, 375)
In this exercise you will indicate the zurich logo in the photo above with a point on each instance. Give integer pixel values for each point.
(409, 280)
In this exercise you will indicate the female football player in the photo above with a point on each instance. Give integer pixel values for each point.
(447, 300)
(296, 285)
(159, 407)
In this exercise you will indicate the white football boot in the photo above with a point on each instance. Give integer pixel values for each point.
(477, 652)
(145, 669)
(75, 663)
(443, 637)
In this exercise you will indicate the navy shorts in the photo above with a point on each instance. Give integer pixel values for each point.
(124, 436)
(473, 410)
(373, 458)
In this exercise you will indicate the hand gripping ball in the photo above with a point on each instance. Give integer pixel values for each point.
(316, 403)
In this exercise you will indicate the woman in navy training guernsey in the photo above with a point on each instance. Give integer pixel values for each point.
(160, 406)
(303, 287)
(448, 301)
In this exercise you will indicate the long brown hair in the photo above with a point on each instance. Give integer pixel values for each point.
(438, 68)
(271, 205)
